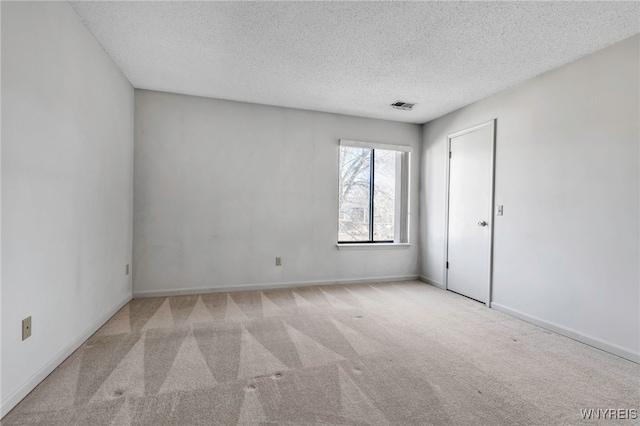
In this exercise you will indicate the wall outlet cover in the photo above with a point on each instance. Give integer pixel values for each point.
(26, 328)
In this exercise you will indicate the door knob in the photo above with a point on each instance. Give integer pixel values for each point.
(482, 223)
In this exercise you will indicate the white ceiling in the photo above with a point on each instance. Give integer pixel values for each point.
(350, 57)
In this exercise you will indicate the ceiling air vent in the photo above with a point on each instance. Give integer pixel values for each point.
(403, 105)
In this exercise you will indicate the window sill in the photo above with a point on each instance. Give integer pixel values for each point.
(373, 246)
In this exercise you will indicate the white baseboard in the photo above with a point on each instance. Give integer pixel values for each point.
(432, 282)
(12, 400)
(570, 333)
(268, 286)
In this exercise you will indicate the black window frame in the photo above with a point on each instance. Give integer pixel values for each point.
(371, 206)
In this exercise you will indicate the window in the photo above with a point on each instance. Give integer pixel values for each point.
(373, 197)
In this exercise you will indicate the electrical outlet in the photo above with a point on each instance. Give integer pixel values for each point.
(278, 261)
(26, 328)
(126, 269)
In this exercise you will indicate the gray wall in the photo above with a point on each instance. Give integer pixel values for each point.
(567, 172)
(222, 188)
(67, 156)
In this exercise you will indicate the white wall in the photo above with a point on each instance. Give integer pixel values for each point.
(567, 172)
(67, 156)
(222, 188)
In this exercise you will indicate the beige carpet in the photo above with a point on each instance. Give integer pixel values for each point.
(399, 354)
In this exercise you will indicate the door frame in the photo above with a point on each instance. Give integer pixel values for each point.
(492, 124)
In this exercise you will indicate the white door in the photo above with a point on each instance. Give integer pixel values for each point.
(468, 267)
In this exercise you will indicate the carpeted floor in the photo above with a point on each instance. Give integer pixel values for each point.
(399, 353)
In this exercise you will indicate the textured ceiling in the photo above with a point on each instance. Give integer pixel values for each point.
(351, 57)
